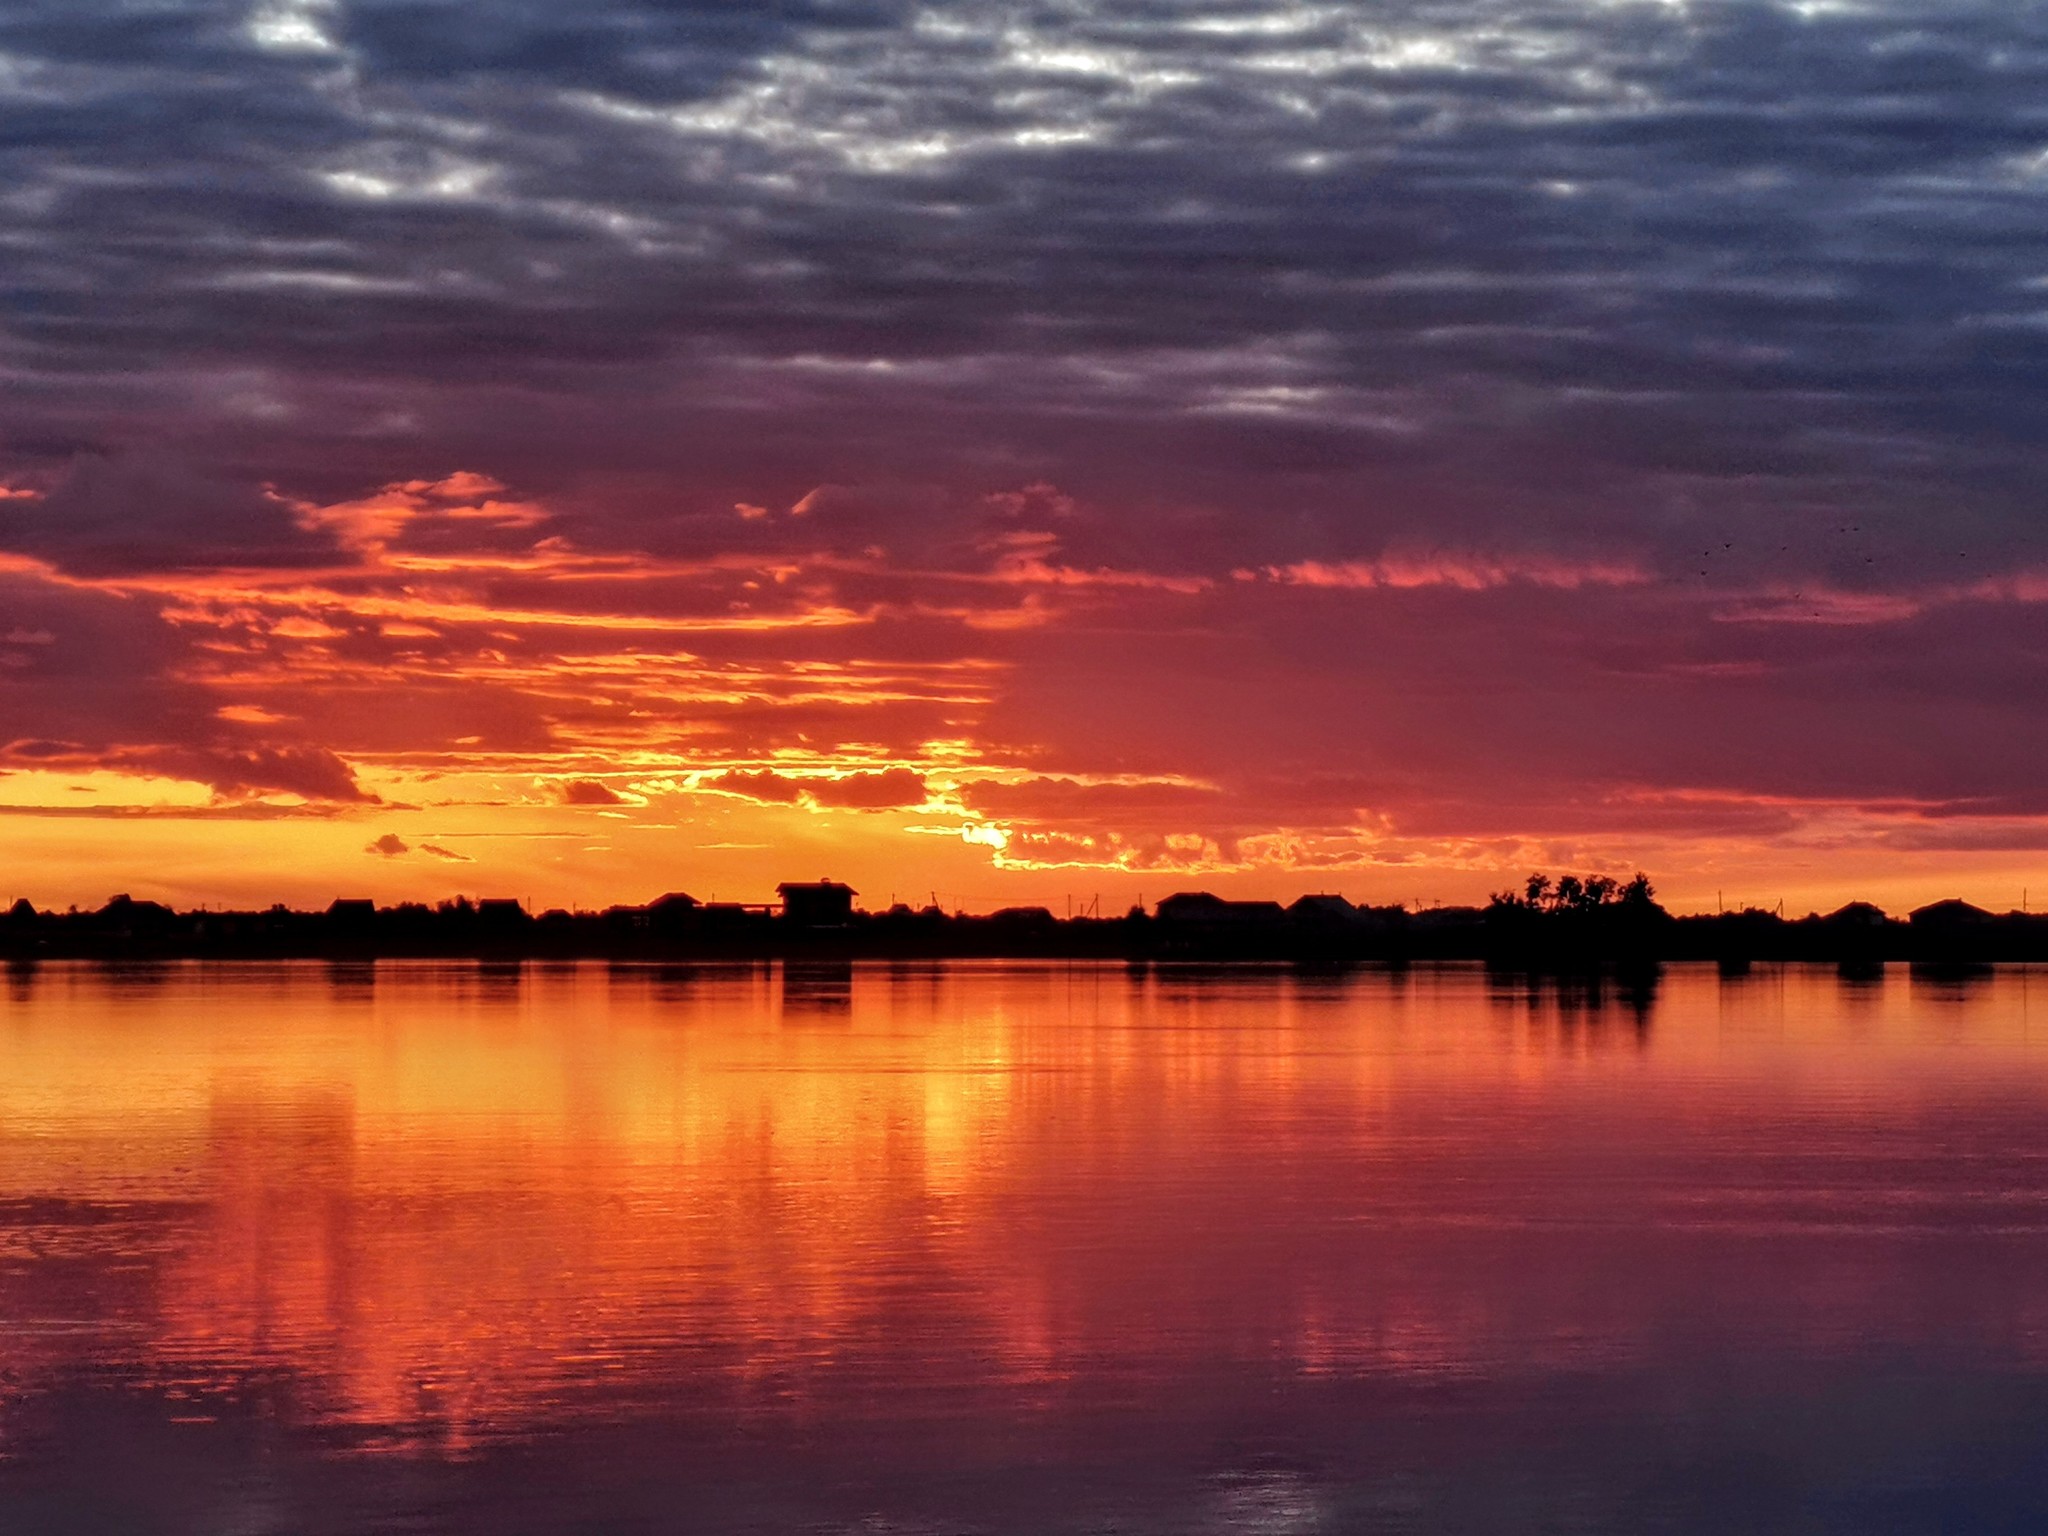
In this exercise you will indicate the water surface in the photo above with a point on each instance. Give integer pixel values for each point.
(1004, 1248)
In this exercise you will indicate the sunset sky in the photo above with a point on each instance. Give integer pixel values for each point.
(1020, 451)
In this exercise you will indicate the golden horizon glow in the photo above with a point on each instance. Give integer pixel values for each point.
(468, 700)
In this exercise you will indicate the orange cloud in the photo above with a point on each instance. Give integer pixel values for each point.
(890, 789)
(591, 792)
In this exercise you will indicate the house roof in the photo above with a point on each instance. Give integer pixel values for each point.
(1203, 907)
(1332, 906)
(1951, 911)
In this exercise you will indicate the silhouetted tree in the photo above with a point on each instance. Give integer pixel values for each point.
(1576, 894)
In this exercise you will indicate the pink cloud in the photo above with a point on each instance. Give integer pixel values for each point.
(1465, 572)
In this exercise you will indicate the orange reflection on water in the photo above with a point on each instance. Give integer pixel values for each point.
(444, 1203)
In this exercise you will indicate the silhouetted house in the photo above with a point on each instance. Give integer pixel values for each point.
(350, 928)
(1948, 917)
(499, 915)
(1323, 913)
(125, 920)
(816, 903)
(1953, 932)
(672, 914)
(1202, 926)
(1857, 914)
(622, 922)
(1199, 909)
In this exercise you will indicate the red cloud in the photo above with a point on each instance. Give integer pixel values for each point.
(887, 789)
(891, 789)
(764, 785)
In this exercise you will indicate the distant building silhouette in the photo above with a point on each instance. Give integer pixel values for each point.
(1949, 914)
(676, 912)
(1323, 912)
(1199, 909)
(816, 903)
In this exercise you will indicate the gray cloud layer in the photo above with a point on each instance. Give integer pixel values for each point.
(1754, 287)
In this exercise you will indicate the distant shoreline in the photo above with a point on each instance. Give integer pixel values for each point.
(819, 922)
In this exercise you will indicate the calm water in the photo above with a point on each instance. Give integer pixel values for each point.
(1019, 1249)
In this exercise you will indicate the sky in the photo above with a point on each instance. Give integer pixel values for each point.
(1011, 452)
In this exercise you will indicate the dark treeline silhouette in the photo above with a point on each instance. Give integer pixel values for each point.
(1574, 919)
(1563, 923)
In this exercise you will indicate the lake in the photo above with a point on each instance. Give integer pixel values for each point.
(1009, 1248)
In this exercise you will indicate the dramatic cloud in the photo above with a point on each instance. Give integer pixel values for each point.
(891, 789)
(763, 785)
(1234, 436)
(590, 792)
(118, 516)
(887, 789)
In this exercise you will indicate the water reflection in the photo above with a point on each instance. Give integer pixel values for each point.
(1571, 1004)
(139, 975)
(1950, 981)
(817, 987)
(352, 980)
(1017, 1247)
(500, 979)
